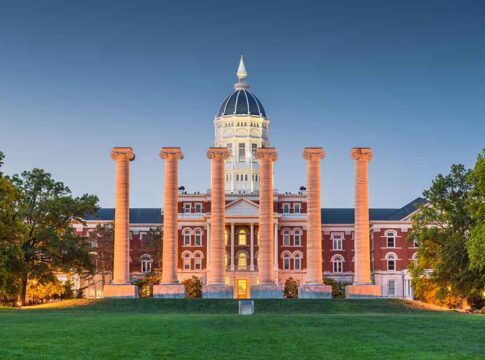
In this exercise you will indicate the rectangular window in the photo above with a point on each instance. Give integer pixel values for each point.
(242, 153)
(254, 148)
(337, 243)
(410, 287)
(229, 147)
(391, 288)
(286, 208)
(198, 208)
(297, 208)
(186, 208)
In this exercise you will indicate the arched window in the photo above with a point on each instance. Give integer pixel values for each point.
(146, 263)
(391, 239)
(286, 238)
(198, 261)
(187, 237)
(391, 262)
(415, 242)
(286, 261)
(337, 264)
(246, 177)
(186, 261)
(198, 238)
(242, 261)
(242, 237)
(297, 238)
(297, 260)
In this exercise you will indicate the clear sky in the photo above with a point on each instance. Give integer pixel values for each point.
(406, 78)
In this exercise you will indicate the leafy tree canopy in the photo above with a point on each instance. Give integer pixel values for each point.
(37, 228)
(442, 228)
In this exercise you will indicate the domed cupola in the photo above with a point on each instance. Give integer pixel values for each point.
(242, 126)
(241, 101)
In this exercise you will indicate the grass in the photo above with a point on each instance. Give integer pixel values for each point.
(210, 329)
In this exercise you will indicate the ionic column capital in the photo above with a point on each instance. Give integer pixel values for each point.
(267, 154)
(313, 153)
(362, 154)
(218, 153)
(122, 153)
(171, 153)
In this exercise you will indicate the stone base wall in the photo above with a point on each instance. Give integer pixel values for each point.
(169, 291)
(316, 291)
(363, 292)
(217, 292)
(266, 292)
(120, 291)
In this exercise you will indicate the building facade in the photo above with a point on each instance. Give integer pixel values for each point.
(242, 127)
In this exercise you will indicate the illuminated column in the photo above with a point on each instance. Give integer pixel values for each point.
(251, 264)
(362, 156)
(121, 286)
(313, 287)
(362, 287)
(216, 287)
(169, 286)
(232, 247)
(267, 287)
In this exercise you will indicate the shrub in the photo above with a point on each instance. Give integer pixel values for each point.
(291, 289)
(68, 292)
(338, 288)
(44, 291)
(145, 284)
(193, 287)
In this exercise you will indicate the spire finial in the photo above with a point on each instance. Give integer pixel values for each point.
(241, 71)
(241, 75)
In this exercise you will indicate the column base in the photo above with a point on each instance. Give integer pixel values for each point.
(217, 291)
(369, 291)
(121, 291)
(315, 291)
(169, 291)
(266, 291)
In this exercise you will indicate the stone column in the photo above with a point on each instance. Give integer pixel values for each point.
(363, 286)
(121, 286)
(313, 286)
(251, 266)
(266, 287)
(232, 248)
(169, 286)
(216, 287)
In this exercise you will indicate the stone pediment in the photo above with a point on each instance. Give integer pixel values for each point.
(243, 207)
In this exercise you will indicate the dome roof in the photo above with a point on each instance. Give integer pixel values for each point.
(242, 102)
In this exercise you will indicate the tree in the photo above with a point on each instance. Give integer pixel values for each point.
(476, 204)
(10, 228)
(48, 243)
(102, 242)
(442, 228)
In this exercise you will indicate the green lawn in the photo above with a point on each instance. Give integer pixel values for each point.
(211, 329)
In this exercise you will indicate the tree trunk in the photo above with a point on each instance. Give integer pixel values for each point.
(22, 297)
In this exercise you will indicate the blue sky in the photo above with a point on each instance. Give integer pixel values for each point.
(406, 78)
